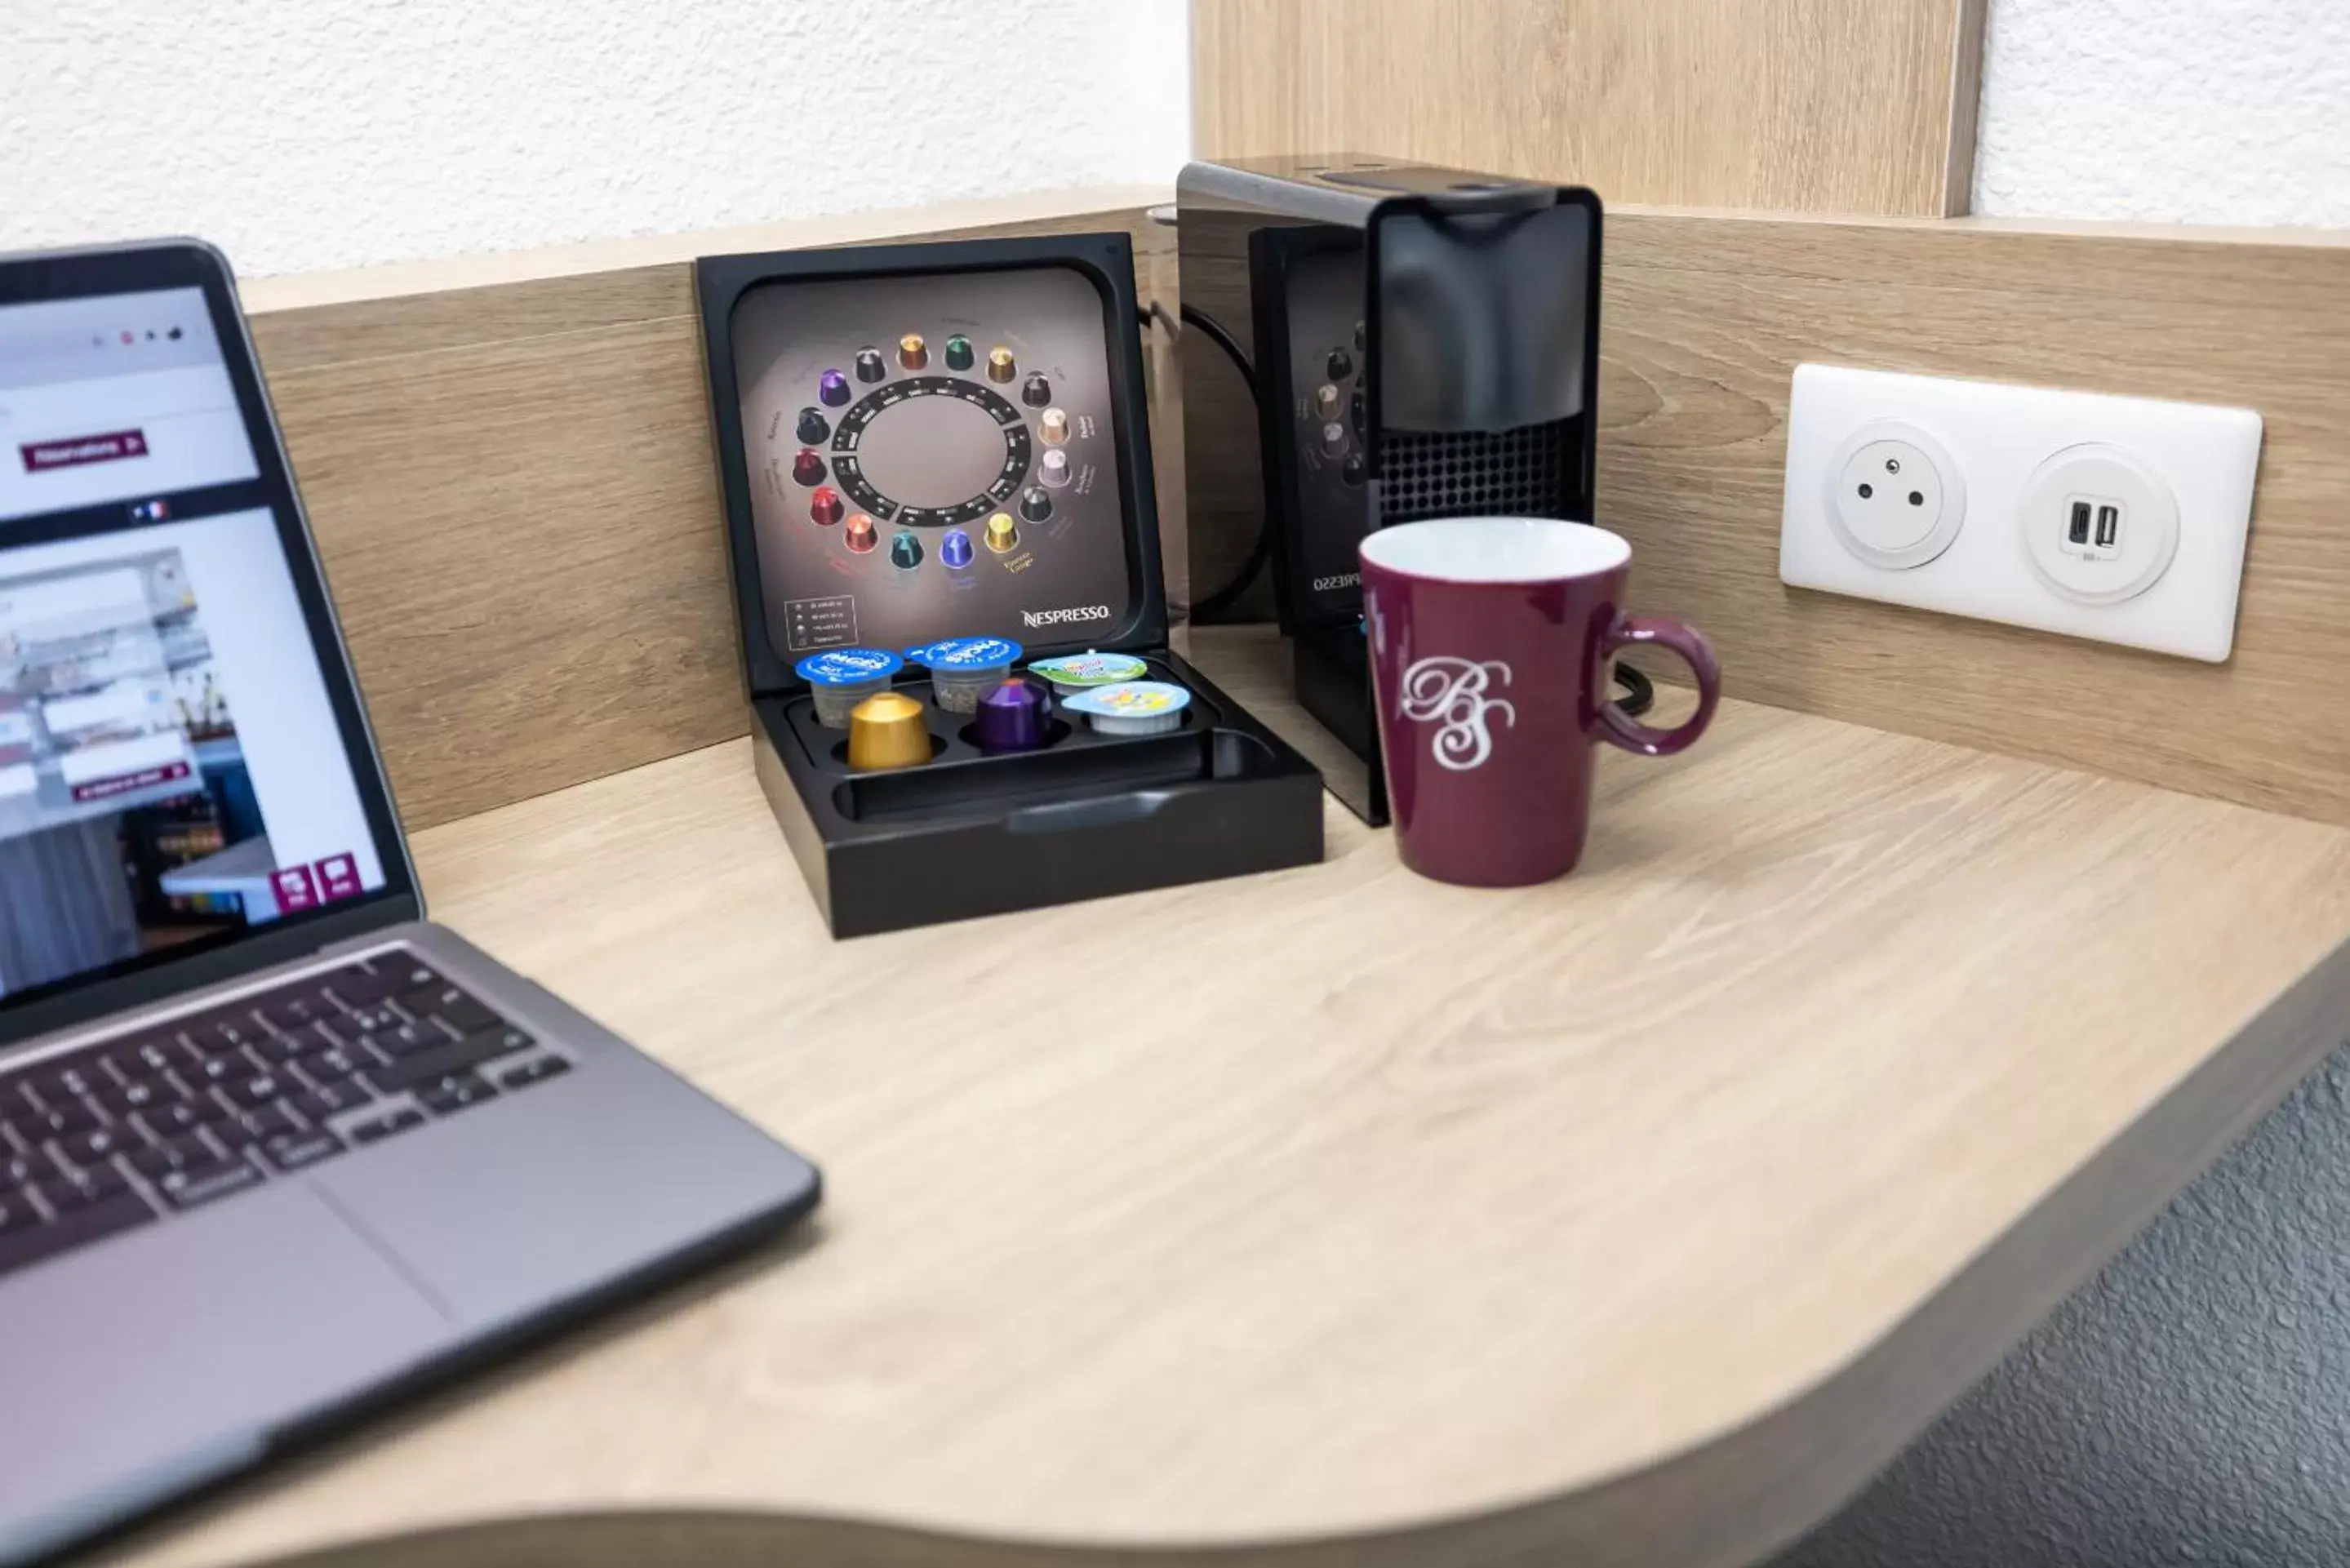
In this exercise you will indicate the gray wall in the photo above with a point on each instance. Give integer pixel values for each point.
(2191, 1405)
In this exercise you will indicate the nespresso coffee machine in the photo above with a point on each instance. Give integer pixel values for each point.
(1373, 342)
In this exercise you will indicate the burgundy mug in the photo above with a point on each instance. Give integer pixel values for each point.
(1491, 641)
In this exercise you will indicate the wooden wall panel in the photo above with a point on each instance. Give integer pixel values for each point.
(512, 490)
(514, 495)
(1705, 320)
(1835, 106)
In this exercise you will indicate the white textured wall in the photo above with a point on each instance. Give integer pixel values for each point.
(307, 134)
(2206, 112)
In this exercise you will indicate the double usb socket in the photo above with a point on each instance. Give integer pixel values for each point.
(2093, 529)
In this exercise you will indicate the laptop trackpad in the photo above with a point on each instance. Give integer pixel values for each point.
(172, 1351)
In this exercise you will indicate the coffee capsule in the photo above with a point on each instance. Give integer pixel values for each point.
(887, 731)
(840, 678)
(1133, 708)
(965, 668)
(1011, 718)
(1075, 672)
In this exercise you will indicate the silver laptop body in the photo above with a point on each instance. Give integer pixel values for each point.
(272, 1149)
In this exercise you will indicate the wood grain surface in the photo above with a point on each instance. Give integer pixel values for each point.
(507, 463)
(1336, 1216)
(1815, 106)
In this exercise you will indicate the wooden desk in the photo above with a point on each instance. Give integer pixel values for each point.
(1630, 1219)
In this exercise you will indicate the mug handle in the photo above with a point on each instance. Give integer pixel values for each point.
(1656, 631)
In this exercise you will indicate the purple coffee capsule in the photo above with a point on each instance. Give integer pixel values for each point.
(1011, 718)
(832, 388)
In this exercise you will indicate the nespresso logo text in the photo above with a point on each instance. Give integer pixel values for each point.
(1339, 580)
(1056, 617)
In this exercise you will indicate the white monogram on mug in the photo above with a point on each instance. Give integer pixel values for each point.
(1451, 693)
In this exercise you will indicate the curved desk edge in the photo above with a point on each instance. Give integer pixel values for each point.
(1733, 1501)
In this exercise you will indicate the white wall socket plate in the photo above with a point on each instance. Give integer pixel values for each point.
(2122, 519)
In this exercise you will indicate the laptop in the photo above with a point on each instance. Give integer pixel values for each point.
(271, 1147)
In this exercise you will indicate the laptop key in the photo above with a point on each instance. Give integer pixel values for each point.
(158, 1159)
(534, 1072)
(60, 1121)
(290, 1010)
(358, 987)
(362, 1021)
(150, 1056)
(23, 1246)
(257, 1125)
(410, 1039)
(24, 1170)
(16, 1209)
(293, 1150)
(175, 1117)
(458, 1057)
(63, 1193)
(312, 1037)
(95, 1146)
(136, 1095)
(337, 1062)
(227, 1033)
(280, 1049)
(218, 1069)
(187, 1186)
(451, 1006)
(60, 1086)
(256, 1089)
(328, 1100)
(397, 1120)
(446, 1095)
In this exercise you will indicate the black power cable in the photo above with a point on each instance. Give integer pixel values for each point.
(1640, 691)
(1261, 552)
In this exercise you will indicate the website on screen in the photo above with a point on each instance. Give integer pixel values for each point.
(170, 764)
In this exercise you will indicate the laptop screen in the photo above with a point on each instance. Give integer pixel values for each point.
(173, 770)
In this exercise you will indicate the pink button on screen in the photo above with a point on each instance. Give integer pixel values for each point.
(294, 889)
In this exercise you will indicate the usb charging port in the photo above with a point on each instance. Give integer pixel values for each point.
(2079, 532)
(2109, 525)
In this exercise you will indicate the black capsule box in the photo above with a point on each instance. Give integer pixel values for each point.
(973, 832)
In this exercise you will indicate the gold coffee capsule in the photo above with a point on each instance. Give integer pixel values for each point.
(913, 352)
(887, 731)
(1002, 534)
(1001, 365)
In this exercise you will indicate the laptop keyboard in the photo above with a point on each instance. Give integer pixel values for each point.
(161, 1120)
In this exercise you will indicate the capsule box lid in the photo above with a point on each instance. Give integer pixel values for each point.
(866, 434)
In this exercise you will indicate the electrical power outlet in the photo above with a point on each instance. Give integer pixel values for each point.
(2122, 519)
